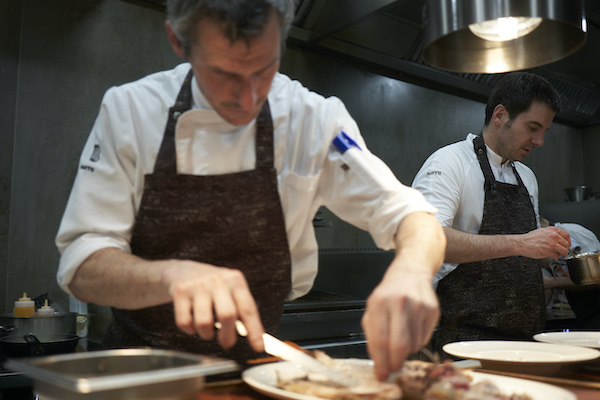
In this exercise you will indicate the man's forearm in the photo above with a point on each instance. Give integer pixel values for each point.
(112, 277)
(548, 242)
(421, 240)
(465, 247)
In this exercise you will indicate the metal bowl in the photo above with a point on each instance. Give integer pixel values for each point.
(584, 268)
(578, 193)
(121, 374)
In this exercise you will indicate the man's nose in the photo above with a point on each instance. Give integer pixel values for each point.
(538, 139)
(246, 93)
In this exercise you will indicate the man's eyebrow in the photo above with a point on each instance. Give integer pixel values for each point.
(217, 69)
(536, 123)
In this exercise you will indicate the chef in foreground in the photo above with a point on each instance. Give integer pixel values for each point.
(197, 188)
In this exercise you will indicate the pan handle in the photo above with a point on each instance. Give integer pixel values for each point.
(36, 348)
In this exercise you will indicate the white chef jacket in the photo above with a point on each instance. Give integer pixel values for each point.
(452, 181)
(124, 143)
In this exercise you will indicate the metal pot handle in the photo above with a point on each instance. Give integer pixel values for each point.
(7, 329)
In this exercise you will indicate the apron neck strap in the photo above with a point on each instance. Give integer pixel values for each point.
(264, 137)
(484, 162)
(166, 161)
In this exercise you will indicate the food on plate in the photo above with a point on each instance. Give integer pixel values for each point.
(318, 385)
(417, 380)
(421, 380)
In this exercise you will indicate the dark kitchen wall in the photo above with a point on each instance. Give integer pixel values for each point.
(591, 166)
(60, 56)
(66, 54)
(10, 27)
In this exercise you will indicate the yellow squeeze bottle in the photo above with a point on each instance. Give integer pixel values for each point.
(24, 307)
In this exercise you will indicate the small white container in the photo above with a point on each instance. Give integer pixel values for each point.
(45, 310)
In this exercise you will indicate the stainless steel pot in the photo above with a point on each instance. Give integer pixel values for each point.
(59, 323)
(578, 193)
(584, 268)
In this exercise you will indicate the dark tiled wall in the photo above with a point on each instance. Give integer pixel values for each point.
(10, 26)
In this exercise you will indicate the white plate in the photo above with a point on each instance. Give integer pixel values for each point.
(263, 379)
(521, 357)
(575, 338)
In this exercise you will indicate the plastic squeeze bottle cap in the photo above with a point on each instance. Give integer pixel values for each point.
(45, 310)
(24, 307)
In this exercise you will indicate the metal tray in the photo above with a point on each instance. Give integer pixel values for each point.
(121, 374)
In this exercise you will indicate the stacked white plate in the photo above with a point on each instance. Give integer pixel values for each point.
(588, 339)
(534, 358)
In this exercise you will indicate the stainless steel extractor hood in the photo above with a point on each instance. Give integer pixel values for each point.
(386, 36)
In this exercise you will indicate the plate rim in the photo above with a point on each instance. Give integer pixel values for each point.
(539, 337)
(567, 350)
(275, 392)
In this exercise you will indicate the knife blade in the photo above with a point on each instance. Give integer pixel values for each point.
(276, 347)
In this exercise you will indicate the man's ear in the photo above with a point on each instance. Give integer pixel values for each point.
(499, 115)
(174, 40)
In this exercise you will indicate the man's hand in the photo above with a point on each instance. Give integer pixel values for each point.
(403, 309)
(400, 317)
(203, 294)
(549, 242)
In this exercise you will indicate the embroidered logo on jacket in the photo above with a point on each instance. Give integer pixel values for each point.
(94, 158)
(96, 153)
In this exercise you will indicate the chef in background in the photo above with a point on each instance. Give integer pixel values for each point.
(490, 286)
(197, 188)
(584, 300)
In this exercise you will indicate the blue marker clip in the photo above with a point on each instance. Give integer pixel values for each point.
(344, 142)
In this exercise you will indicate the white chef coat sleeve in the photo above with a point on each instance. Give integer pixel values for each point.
(362, 190)
(441, 180)
(101, 207)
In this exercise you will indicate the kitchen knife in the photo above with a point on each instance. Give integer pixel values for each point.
(278, 348)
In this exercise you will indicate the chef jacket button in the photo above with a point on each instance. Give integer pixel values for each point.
(480, 151)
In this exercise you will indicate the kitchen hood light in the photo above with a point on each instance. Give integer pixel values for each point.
(503, 29)
(453, 40)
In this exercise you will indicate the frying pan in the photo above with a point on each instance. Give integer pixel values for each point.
(39, 344)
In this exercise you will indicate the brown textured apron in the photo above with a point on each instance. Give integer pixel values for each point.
(233, 220)
(501, 298)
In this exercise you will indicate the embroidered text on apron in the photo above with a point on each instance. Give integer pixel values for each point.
(501, 298)
(232, 220)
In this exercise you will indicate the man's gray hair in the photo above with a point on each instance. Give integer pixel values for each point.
(240, 19)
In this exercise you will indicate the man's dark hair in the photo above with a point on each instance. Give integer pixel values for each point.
(240, 19)
(517, 90)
